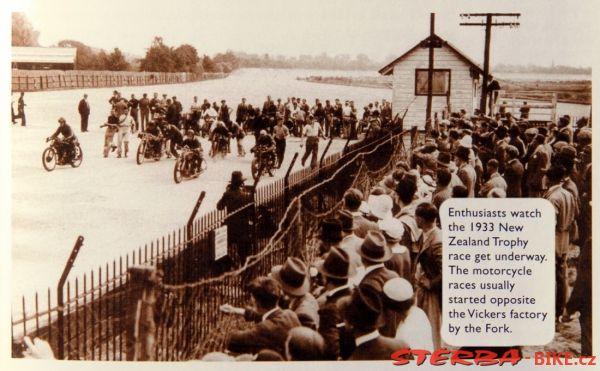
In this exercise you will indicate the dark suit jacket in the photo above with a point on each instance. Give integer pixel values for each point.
(268, 334)
(83, 108)
(375, 280)
(513, 174)
(380, 348)
(338, 341)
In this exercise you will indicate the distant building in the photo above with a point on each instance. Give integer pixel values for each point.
(35, 58)
(455, 81)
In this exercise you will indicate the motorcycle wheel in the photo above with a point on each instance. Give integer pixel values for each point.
(177, 171)
(49, 159)
(141, 153)
(256, 173)
(78, 157)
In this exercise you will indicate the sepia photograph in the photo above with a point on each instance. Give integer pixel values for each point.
(391, 180)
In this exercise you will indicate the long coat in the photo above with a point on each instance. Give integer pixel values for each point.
(268, 334)
(513, 174)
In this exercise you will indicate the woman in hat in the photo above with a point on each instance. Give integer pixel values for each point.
(393, 230)
(414, 327)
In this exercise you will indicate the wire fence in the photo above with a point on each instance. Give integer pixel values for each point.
(283, 219)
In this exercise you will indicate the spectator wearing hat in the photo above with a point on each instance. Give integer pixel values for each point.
(513, 173)
(84, 111)
(466, 172)
(443, 189)
(353, 200)
(304, 344)
(500, 146)
(293, 278)
(393, 231)
(236, 201)
(363, 314)
(538, 163)
(374, 253)
(529, 135)
(134, 105)
(566, 213)
(380, 205)
(330, 234)
(414, 327)
(524, 111)
(514, 134)
(225, 114)
(271, 332)
(564, 126)
(495, 180)
(336, 270)
(428, 269)
(350, 242)
(444, 160)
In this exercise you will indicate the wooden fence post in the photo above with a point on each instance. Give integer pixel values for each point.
(141, 328)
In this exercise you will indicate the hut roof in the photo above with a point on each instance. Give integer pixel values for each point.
(389, 68)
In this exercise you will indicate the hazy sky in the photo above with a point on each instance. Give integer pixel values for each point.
(551, 30)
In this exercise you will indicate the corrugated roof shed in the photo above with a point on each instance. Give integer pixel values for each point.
(21, 54)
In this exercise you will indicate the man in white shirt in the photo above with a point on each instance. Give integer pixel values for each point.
(312, 130)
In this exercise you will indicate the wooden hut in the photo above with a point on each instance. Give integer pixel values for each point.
(455, 81)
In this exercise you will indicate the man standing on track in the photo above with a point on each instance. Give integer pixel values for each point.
(21, 109)
(280, 133)
(144, 111)
(311, 131)
(84, 112)
(133, 111)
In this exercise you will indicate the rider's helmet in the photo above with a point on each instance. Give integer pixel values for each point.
(263, 132)
(190, 133)
(61, 120)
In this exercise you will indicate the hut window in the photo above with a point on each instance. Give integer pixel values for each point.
(441, 81)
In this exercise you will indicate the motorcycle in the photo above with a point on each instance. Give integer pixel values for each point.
(188, 166)
(57, 154)
(220, 146)
(264, 162)
(146, 150)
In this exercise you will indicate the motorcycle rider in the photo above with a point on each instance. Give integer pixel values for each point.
(267, 145)
(195, 156)
(155, 139)
(66, 146)
(220, 131)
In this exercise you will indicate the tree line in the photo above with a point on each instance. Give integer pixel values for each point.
(184, 58)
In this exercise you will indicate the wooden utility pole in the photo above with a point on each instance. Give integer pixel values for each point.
(488, 24)
(431, 43)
